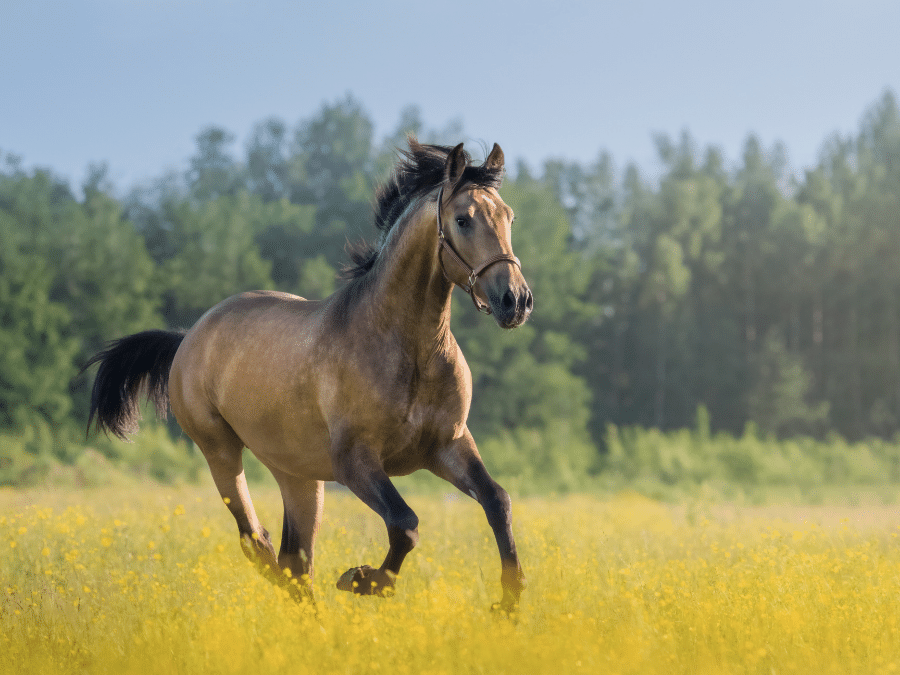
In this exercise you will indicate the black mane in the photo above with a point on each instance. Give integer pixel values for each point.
(419, 171)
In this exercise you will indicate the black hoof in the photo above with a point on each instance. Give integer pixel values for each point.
(365, 580)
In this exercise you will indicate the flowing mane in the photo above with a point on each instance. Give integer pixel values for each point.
(419, 171)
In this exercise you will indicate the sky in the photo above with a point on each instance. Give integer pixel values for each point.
(132, 82)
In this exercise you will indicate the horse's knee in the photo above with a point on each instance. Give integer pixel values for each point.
(497, 503)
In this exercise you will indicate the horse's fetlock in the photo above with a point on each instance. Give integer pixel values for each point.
(409, 523)
(404, 538)
(513, 581)
(404, 532)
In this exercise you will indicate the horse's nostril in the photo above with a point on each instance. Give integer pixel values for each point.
(508, 302)
(529, 301)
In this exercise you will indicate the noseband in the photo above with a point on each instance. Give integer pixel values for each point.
(474, 273)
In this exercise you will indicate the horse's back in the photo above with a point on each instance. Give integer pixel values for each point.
(253, 326)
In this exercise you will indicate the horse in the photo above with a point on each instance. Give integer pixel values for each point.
(366, 384)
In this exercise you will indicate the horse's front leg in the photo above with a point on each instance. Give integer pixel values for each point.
(361, 471)
(460, 464)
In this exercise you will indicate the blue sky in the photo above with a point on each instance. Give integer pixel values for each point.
(131, 82)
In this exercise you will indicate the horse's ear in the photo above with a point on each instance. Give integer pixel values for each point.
(494, 160)
(456, 164)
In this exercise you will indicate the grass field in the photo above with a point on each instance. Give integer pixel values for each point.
(152, 580)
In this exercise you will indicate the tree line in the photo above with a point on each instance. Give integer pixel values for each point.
(764, 300)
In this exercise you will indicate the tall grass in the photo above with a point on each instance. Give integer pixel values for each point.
(151, 580)
(752, 468)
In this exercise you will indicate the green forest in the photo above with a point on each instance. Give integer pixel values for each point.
(726, 298)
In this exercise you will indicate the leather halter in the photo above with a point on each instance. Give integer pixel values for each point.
(474, 273)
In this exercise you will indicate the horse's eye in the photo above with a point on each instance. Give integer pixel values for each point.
(462, 223)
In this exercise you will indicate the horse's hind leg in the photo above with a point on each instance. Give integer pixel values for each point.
(364, 475)
(303, 504)
(223, 454)
(227, 468)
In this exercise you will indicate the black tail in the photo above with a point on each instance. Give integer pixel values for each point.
(138, 360)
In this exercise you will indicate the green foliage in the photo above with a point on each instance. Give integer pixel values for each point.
(779, 402)
(104, 274)
(332, 169)
(74, 276)
(213, 172)
(693, 462)
(285, 232)
(216, 255)
(555, 457)
(25, 457)
(42, 456)
(153, 453)
(35, 353)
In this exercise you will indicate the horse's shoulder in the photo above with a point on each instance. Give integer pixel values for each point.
(447, 372)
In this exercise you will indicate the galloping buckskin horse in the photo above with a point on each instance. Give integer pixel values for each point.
(366, 384)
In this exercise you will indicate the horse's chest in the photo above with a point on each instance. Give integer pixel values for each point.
(414, 403)
(417, 410)
(413, 437)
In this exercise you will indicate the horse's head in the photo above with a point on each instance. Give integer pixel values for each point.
(474, 229)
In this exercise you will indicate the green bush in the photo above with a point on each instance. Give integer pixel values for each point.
(692, 462)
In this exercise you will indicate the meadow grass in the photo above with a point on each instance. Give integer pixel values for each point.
(152, 580)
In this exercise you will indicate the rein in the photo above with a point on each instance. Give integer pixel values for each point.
(474, 273)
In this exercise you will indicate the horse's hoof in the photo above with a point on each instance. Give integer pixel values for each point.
(505, 611)
(365, 580)
(301, 594)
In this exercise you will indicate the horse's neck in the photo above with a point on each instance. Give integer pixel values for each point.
(412, 292)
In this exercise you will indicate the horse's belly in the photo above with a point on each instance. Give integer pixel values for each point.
(294, 442)
(308, 462)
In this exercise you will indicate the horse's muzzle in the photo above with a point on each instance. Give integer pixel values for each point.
(512, 307)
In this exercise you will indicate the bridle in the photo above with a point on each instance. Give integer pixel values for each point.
(474, 273)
